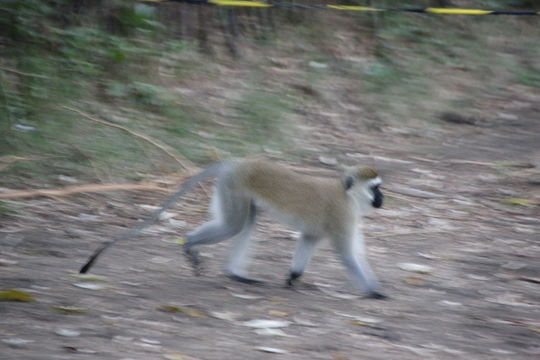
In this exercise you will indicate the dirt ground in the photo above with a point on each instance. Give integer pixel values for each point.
(454, 203)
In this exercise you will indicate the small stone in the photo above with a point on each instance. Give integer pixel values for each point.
(17, 342)
(225, 315)
(6, 262)
(150, 341)
(261, 324)
(67, 333)
(318, 65)
(247, 296)
(89, 286)
(271, 350)
(450, 303)
(88, 217)
(418, 268)
(328, 160)
(271, 332)
(68, 179)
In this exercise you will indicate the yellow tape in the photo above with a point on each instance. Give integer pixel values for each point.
(239, 3)
(353, 8)
(432, 10)
(458, 11)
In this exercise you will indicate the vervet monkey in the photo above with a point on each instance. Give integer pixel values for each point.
(318, 207)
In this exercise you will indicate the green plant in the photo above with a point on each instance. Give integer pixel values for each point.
(262, 116)
(528, 75)
(6, 209)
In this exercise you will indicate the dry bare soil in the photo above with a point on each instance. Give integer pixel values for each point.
(462, 200)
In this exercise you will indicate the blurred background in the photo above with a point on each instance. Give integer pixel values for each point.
(142, 94)
(88, 86)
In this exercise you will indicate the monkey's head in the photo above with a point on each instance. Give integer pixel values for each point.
(363, 185)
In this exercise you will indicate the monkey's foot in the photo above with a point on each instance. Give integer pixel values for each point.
(245, 280)
(194, 259)
(377, 295)
(300, 285)
(293, 278)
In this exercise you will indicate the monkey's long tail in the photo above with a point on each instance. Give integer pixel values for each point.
(213, 170)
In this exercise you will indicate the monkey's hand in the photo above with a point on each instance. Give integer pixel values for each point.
(194, 259)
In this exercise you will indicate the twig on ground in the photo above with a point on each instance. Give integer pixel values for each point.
(454, 161)
(404, 233)
(23, 73)
(70, 190)
(8, 160)
(185, 163)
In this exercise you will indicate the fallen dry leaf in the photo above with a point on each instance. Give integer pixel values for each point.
(16, 295)
(279, 300)
(519, 201)
(340, 357)
(195, 313)
(414, 281)
(278, 313)
(178, 356)
(359, 323)
(69, 309)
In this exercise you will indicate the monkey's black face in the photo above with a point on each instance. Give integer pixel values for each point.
(377, 196)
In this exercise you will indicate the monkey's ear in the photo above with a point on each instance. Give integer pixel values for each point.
(348, 183)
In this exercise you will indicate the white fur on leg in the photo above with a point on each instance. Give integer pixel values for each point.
(240, 253)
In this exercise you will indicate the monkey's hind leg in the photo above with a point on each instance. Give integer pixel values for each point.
(239, 258)
(209, 233)
(194, 259)
(232, 212)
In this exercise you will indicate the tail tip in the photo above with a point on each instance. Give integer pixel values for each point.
(85, 268)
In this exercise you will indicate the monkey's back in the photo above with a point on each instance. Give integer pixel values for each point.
(313, 202)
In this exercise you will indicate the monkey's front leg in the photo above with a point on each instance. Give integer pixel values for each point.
(352, 253)
(362, 276)
(304, 251)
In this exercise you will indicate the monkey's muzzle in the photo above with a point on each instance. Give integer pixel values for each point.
(378, 197)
